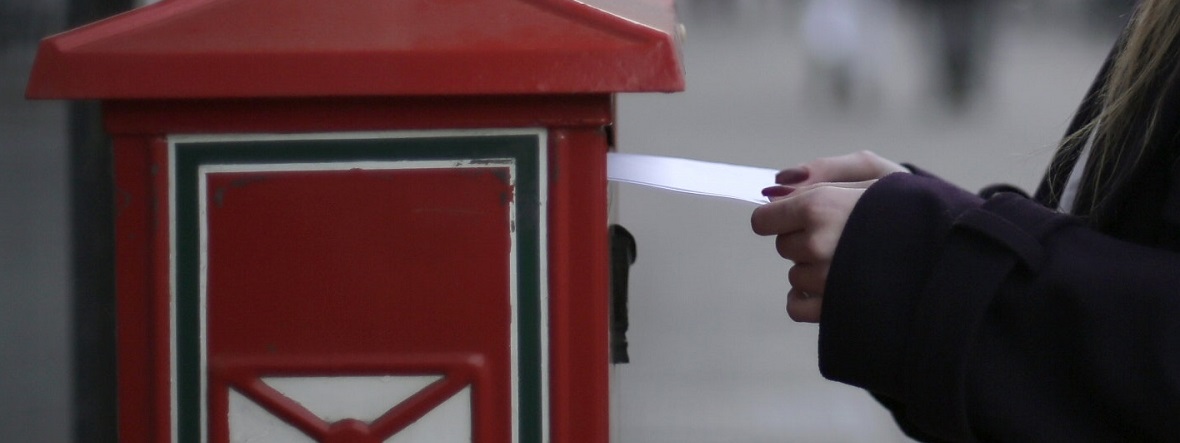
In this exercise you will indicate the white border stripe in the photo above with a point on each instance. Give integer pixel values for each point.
(543, 274)
(172, 291)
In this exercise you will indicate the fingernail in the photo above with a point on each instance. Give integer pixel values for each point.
(777, 191)
(791, 176)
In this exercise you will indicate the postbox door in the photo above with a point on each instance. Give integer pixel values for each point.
(359, 287)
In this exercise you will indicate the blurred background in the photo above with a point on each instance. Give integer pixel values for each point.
(977, 91)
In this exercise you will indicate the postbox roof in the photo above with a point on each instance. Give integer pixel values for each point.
(316, 48)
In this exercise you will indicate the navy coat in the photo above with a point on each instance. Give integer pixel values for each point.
(996, 318)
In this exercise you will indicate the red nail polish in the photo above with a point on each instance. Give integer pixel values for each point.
(777, 191)
(791, 176)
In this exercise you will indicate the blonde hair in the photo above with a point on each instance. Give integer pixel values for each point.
(1129, 99)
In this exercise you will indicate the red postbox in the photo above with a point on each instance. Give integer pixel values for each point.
(363, 220)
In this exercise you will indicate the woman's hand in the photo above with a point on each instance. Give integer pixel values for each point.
(808, 222)
(854, 167)
(807, 213)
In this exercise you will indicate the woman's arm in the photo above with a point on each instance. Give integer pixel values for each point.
(1001, 320)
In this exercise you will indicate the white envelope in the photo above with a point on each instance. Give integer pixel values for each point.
(743, 183)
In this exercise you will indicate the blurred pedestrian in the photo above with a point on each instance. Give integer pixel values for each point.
(1004, 317)
(844, 41)
(960, 33)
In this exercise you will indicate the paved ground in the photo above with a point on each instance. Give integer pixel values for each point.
(714, 357)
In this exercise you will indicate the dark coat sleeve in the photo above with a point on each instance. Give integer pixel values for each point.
(999, 320)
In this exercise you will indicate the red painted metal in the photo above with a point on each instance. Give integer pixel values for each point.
(313, 48)
(312, 66)
(577, 247)
(160, 422)
(133, 283)
(141, 282)
(358, 264)
(356, 114)
(578, 278)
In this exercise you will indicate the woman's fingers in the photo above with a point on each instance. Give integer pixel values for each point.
(806, 208)
(792, 176)
(844, 185)
(809, 278)
(804, 306)
(777, 192)
(803, 247)
(854, 167)
(781, 216)
(807, 223)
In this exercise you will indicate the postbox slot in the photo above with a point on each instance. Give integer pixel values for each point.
(622, 256)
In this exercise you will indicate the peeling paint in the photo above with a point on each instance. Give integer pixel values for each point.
(502, 175)
(492, 161)
(219, 194)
